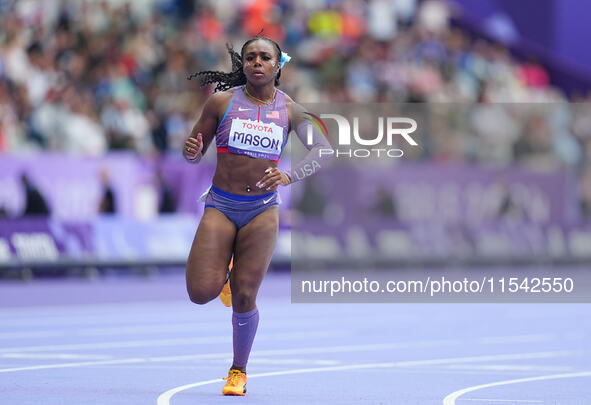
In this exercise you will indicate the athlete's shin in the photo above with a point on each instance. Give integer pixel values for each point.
(245, 326)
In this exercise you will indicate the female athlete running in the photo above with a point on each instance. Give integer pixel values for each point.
(250, 120)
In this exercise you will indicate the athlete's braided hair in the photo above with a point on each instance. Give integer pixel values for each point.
(237, 77)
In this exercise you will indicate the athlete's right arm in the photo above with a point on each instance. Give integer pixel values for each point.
(204, 130)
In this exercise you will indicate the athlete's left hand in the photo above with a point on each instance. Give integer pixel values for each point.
(272, 179)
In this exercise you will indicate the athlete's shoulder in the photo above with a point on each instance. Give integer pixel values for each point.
(221, 97)
(295, 111)
(218, 102)
(288, 100)
(291, 105)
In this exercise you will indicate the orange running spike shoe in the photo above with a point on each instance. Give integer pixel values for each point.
(226, 293)
(236, 384)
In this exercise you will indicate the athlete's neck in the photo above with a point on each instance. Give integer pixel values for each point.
(263, 94)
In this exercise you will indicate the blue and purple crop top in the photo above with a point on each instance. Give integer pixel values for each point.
(253, 130)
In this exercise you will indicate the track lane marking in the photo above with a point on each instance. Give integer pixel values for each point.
(451, 398)
(165, 397)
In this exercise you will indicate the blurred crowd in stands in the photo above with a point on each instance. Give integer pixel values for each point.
(89, 76)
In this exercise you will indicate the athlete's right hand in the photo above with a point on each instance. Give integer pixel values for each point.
(193, 147)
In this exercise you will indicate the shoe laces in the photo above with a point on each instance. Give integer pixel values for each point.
(233, 377)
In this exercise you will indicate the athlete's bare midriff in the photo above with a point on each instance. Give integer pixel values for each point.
(237, 174)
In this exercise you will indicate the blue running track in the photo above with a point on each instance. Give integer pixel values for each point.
(139, 341)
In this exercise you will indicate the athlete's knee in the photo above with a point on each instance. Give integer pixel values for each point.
(244, 300)
(197, 296)
(201, 294)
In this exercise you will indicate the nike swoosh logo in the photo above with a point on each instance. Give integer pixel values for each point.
(244, 109)
(242, 324)
(267, 200)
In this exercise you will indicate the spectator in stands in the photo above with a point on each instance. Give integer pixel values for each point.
(167, 200)
(585, 192)
(35, 204)
(107, 204)
(87, 77)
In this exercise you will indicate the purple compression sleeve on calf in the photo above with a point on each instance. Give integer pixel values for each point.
(319, 152)
(245, 327)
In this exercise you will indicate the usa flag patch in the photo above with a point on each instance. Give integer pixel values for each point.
(273, 115)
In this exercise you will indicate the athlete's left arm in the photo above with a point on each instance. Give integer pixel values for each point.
(319, 148)
(320, 151)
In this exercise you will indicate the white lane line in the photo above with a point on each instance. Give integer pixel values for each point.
(33, 334)
(155, 328)
(224, 355)
(127, 327)
(492, 357)
(125, 361)
(49, 310)
(509, 367)
(502, 400)
(72, 365)
(309, 350)
(171, 342)
(165, 397)
(314, 362)
(112, 330)
(451, 398)
(365, 348)
(81, 316)
(58, 356)
(516, 339)
(314, 350)
(118, 330)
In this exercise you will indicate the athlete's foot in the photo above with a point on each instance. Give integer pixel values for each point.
(236, 383)
(226, 293)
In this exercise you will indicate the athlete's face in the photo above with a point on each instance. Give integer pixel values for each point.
(260, 62)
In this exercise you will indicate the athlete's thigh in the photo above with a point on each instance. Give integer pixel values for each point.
(211, 250)
(255, 243)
